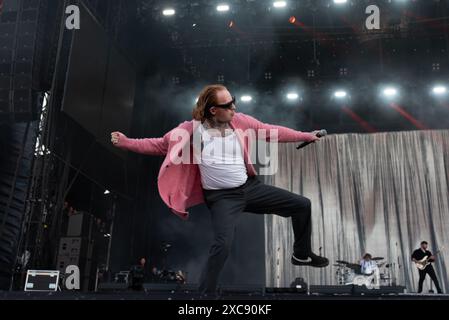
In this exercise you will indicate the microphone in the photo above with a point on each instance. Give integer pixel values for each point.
(319, 134)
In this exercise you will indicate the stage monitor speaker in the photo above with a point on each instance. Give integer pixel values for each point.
(241, 289)
(112, 286)
(332, 289)
(382, 290)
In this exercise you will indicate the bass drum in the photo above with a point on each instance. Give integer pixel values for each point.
(363, 280)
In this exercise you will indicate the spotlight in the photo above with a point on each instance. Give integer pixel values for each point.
(168, 12)
(107, 192)
(279, 4)
(439, 90)
(340, 94)
(222, 8)
(390, 92)
(292, 96)
(340, 1)
(246, 98)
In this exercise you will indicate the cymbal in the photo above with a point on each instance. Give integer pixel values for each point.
(377, 258)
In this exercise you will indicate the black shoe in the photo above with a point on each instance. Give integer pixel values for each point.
(312, 260)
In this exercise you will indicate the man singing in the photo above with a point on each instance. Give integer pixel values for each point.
(221, 174)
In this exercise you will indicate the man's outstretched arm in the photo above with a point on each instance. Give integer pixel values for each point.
(284, 134)
(150, 146)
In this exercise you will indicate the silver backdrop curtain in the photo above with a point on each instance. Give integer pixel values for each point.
(379, 193)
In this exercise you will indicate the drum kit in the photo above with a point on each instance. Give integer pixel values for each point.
(348, 273)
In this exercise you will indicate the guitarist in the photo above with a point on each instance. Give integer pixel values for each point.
(420, 254)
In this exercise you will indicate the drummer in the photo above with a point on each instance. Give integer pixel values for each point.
(369, 267)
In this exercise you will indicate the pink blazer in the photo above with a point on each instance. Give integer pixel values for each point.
(179, 184)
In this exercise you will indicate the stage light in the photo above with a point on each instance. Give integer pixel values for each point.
(107, 192)
(390, 92)
(340, 1)
(222, 8)
(292, 96)
(439, 90)
(279, 4)
(168, 12)
(340, 94)
(246, 98)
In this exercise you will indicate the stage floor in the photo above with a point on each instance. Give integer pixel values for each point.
(155, 295)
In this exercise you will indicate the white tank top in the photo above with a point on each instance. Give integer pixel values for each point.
(221, 164)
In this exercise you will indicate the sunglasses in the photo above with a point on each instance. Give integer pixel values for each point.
(226, 105)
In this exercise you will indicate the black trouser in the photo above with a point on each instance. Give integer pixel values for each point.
(228, 204)
(422, 275)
